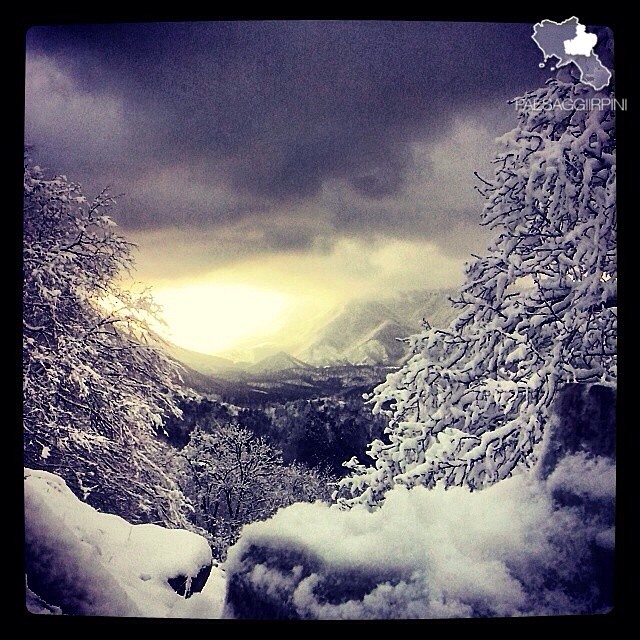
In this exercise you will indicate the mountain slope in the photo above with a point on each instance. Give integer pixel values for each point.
(364, 332)
(371, 331)
(279, 362)
(201, 362)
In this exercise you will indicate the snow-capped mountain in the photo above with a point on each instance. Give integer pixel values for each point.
(279, 362)
(364, 332)
(373, 331)
(201, 362)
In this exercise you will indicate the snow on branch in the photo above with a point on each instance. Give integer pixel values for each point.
(537, 311)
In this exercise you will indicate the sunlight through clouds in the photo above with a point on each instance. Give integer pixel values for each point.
(281, 298)
(211, 317)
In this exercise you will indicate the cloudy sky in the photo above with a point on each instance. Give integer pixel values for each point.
(282, 167)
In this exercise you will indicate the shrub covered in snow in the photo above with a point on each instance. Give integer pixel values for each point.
(80, 561)
(538, 543)
(234, 477)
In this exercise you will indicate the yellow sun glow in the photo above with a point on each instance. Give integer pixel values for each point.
(212, 317)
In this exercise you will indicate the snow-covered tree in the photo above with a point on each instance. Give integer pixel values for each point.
(95, 385)
(537, 311)
(234, 477)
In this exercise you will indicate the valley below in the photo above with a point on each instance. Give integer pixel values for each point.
(349, 354)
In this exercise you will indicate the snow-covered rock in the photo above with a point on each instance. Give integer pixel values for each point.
(502, 551)
(81, 561)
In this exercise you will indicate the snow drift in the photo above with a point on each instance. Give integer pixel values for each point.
(80, 561)
(508, 550)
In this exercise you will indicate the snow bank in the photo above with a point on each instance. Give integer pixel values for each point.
(507, 550)
(84, 562)
(584, 476)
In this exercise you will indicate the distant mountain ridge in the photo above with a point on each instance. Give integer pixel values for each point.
(278, 362)
(364, 332)
(201, 362)
(372, 332)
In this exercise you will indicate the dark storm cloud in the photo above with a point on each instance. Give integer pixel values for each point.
(211, 123)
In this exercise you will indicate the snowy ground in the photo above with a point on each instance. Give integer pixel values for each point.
(99, 564)
(509, 550)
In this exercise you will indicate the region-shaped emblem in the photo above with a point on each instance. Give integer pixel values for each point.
(569, 41)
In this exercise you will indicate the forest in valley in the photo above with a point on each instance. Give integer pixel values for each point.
(239, 464)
